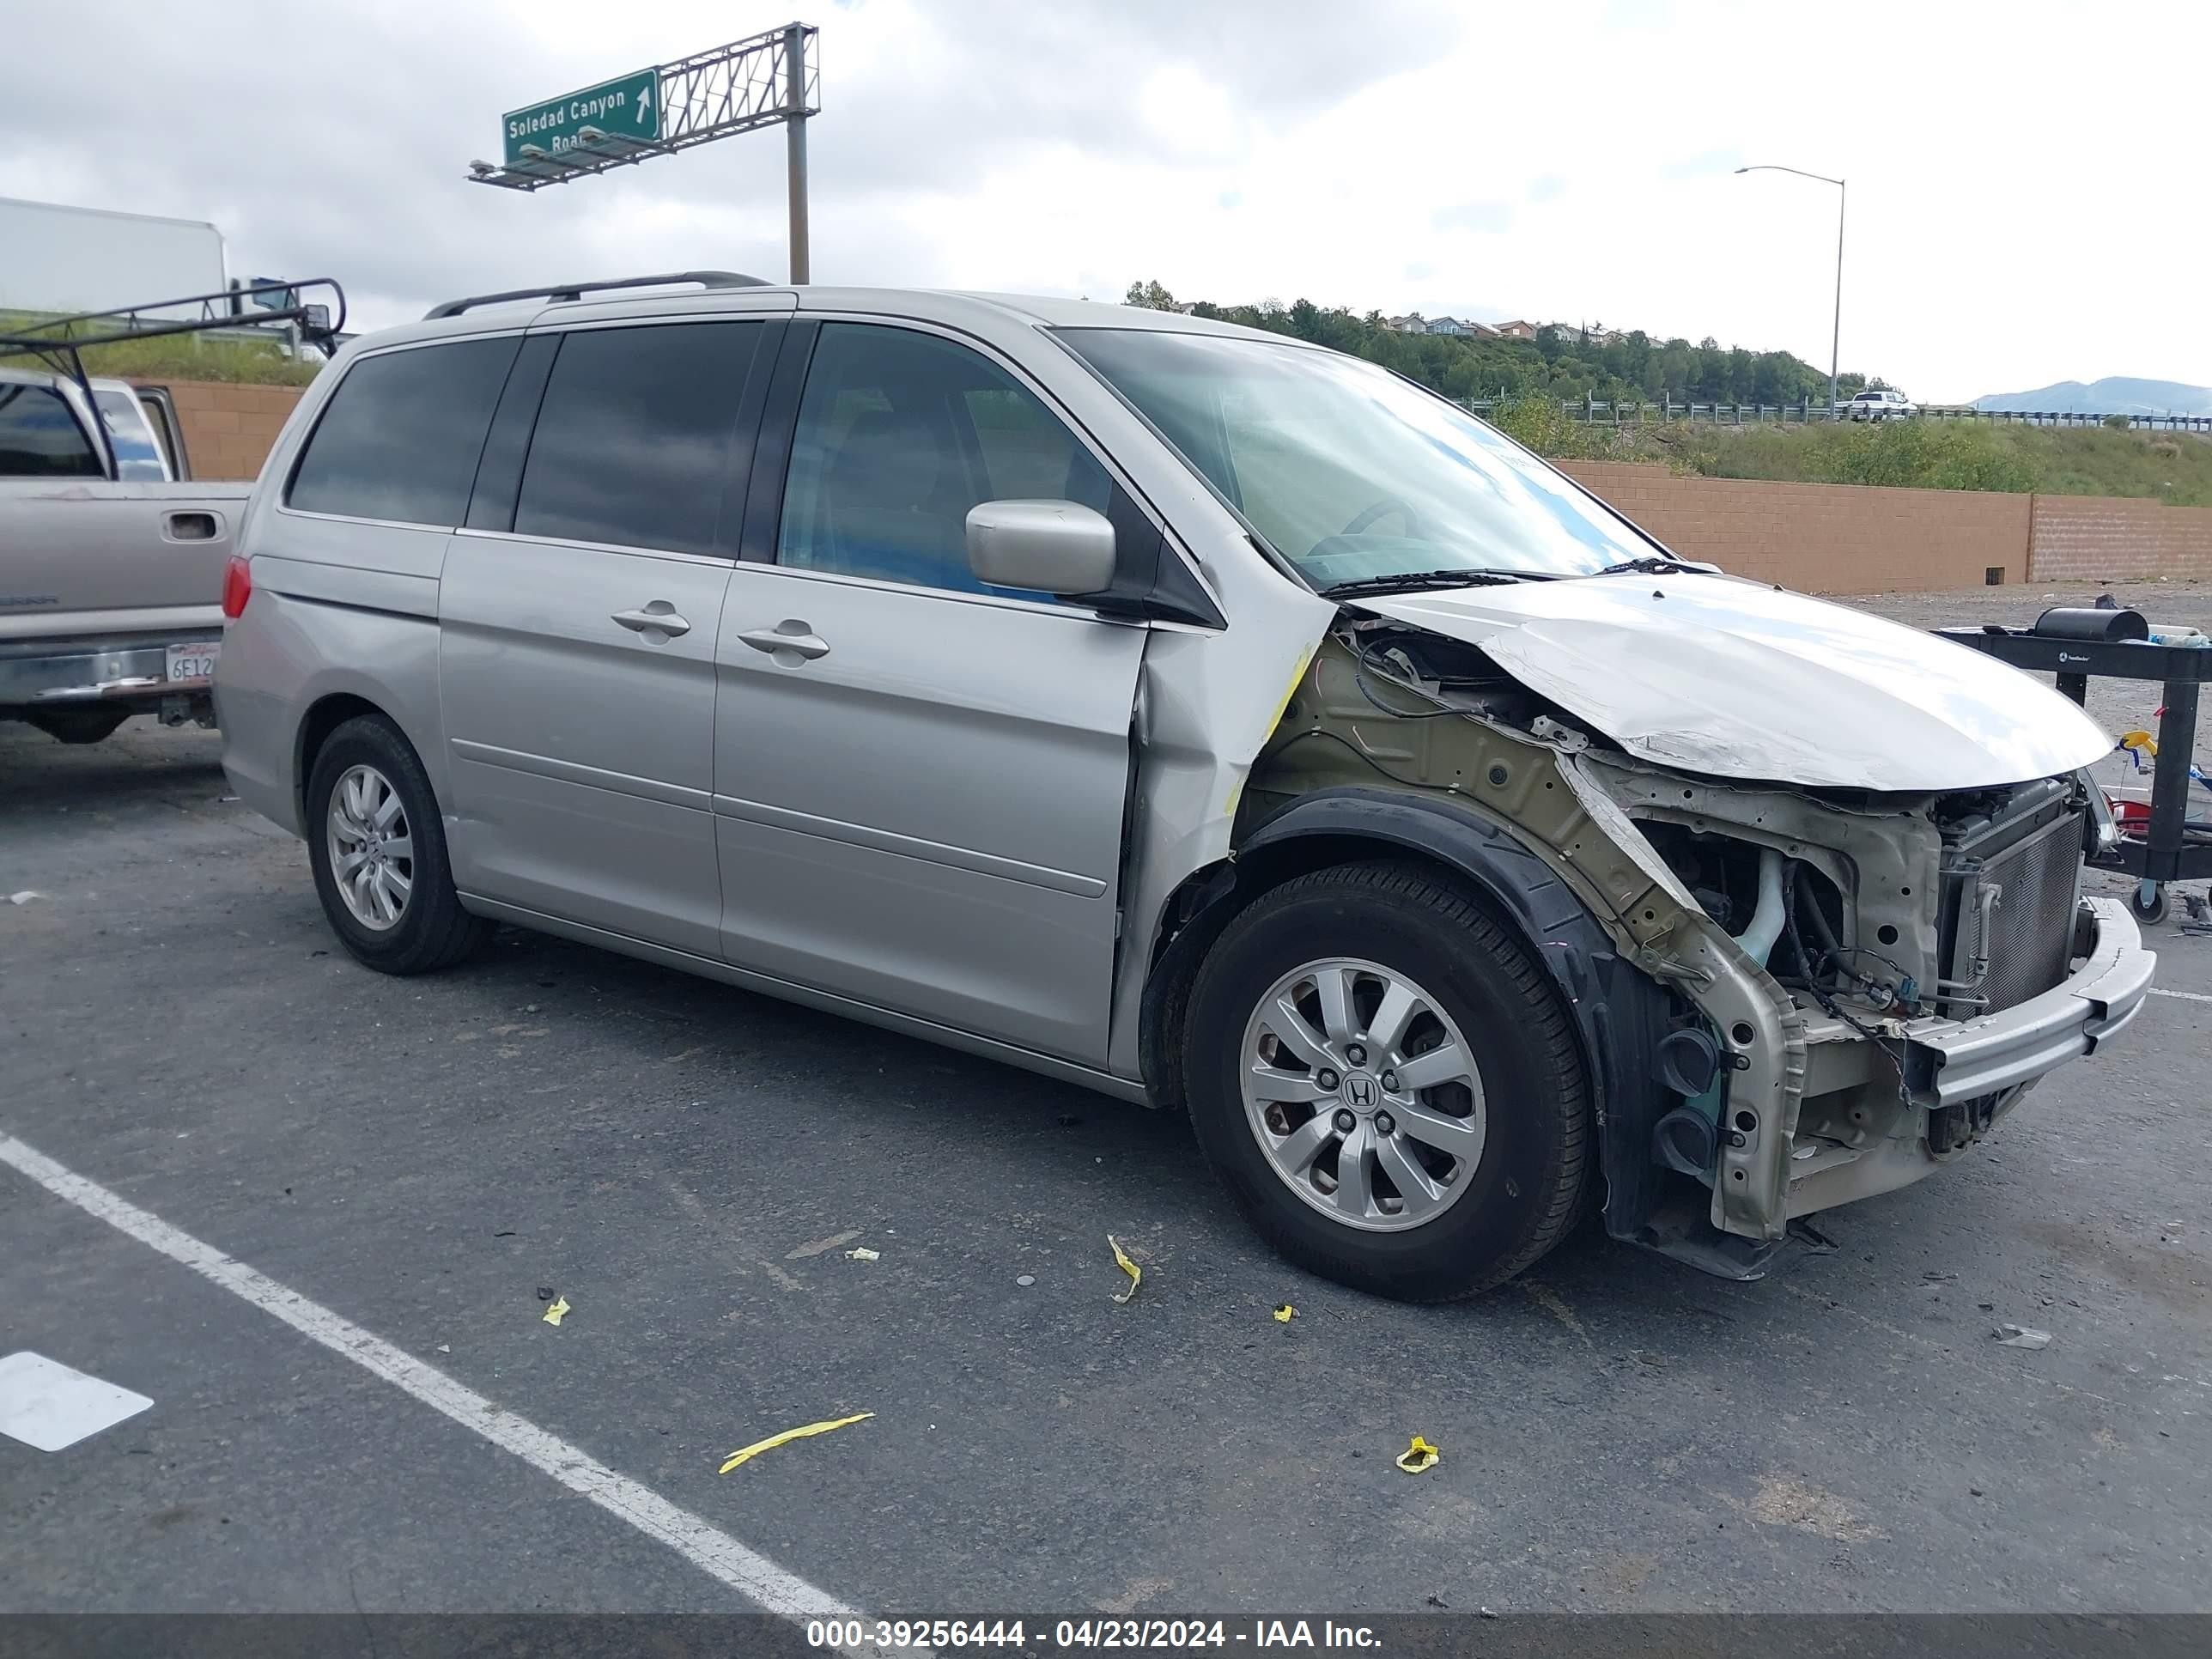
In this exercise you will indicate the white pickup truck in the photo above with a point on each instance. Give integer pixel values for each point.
(111, 566)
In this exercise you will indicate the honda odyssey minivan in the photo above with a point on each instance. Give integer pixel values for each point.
(1199, 715)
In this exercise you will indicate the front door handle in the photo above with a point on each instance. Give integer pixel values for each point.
(790, 642)
(659, 617)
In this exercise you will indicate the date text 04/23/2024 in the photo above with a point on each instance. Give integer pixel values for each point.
(1114, 1633)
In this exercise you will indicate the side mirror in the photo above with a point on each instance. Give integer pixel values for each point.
(1048, 547)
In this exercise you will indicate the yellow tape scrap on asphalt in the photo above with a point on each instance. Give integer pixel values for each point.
(774, 1440)
(1419, 1457)
(1136, 1273)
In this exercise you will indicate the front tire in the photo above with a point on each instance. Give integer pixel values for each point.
(378, 848)
(1385, 1079)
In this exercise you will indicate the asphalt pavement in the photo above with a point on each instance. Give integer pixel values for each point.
(687, 1166)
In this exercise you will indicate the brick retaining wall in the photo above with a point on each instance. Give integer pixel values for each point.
(1829, 538)
(229, 428)
(2105, 538)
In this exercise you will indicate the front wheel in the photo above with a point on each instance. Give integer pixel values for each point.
(379, 853)
(1385, 1080)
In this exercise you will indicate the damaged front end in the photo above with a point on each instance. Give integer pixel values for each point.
(1790, 995)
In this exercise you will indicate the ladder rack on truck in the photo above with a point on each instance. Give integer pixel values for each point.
(60, 342)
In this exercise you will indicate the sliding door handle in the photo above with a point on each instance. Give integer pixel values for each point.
(658, 617)
(790, 642)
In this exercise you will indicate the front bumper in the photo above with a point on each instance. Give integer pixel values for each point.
(1978, 1057)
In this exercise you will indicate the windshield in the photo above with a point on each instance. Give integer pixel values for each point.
(1350, 473)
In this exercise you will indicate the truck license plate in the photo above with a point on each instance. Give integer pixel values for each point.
(193, 662)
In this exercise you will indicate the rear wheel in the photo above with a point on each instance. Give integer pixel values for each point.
(1383, 1078)
(379, 853)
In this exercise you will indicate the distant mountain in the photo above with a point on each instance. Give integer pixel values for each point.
(2116, 394)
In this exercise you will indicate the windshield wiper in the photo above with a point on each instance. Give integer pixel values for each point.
(1408, 579)
(1656, 564)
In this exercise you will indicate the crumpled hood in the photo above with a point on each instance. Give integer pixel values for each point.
(1736, 679)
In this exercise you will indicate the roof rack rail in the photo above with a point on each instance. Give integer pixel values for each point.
(577, 290)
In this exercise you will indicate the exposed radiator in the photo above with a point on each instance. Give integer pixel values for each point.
(2031, 924)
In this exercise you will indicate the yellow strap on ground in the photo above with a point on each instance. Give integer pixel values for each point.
(1419, 1457)
(774, 1440)
(1136, 1273)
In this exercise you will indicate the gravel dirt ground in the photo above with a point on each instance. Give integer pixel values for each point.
(688, 1165)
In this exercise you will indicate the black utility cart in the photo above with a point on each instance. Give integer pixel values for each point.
(2173, 848)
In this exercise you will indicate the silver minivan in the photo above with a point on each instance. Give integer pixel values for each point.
(1184, 711)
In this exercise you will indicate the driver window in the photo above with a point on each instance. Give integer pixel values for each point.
(899, 434)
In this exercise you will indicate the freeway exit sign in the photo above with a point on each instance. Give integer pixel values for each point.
(627, 106)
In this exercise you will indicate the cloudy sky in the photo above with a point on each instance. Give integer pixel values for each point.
(2026, 204)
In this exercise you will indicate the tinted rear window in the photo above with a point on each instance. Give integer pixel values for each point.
(40, 438)
(402, 434)
(632, 445)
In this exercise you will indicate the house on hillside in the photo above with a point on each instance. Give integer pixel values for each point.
(1518, 329)
(1410, 323)
(1453, 325)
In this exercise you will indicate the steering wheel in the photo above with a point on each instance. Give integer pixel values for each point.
(1383, 509)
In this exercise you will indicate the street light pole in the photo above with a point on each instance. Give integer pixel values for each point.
(1836, 335)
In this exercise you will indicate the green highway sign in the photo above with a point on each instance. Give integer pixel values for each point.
(627, 106)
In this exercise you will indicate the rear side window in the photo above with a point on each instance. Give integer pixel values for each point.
(402, 434)
(40, 437)
(633, 444)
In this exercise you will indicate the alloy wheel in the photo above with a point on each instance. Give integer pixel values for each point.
(1362, 1094)
(372, 850)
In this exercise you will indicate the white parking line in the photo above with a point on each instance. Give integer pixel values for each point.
(2185, 996)
(754, 1576)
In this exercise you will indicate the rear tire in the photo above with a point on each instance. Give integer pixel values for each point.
(378, 848)
(1506, 1147)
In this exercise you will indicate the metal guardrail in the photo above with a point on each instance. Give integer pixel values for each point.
(1597, 412)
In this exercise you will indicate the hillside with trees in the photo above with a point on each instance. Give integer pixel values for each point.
(1526, 381)
(1559, 362)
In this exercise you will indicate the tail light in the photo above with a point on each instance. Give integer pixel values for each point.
(237, 587)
